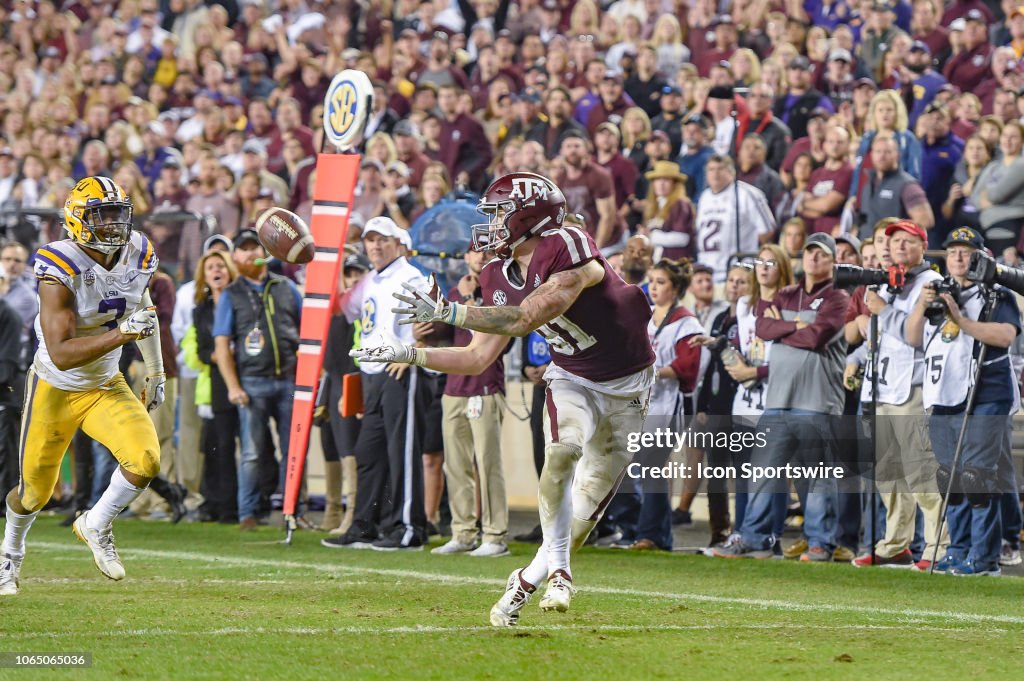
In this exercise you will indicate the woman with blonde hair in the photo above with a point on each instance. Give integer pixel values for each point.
(585, 18)
(887, 113)
(381, 147)
(668, 212)
(773, 73)
(636, 130)
(433, 188)
(667, 39)
(129, 177)
(214, 272)
(746, 67)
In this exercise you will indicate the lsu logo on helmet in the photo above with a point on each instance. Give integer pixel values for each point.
(98, 214)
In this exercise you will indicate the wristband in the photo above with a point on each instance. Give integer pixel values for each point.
(419, 357)
(457, 315)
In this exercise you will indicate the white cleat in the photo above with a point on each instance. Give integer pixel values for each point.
(505, 612)
(10, 568)
(559, 593)
(452, 547)
(490, 550)
(104, 552)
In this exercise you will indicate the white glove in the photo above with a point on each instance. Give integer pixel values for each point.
(428, 306)
(392, 351)
(205, 411)
(153, 392)
(141, 323)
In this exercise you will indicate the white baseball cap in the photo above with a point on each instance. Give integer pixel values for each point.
(384, 226)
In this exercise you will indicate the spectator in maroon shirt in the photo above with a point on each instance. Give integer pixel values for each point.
(613, 102)
(823, 205)
(973, 65)
(289, 124)
(726, 42)
(464, 148)
(409, 148)
(669, 213)
(607, 154)
(963, 8)
(924, 26)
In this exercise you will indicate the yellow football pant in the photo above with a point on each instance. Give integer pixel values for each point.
(112, 415)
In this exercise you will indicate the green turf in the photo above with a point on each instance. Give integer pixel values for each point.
(209, 602)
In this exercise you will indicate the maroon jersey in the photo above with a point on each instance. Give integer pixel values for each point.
(603, 335)
(823, 181)
(491, 381)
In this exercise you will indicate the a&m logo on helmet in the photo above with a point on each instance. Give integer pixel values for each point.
(529, 189)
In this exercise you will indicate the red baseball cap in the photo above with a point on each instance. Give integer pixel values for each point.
(908, 227)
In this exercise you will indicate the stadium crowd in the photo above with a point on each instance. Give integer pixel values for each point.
(763, 141)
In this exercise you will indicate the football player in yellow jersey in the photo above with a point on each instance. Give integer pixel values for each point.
(93, 298)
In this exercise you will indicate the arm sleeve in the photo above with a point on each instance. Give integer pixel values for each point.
(150, 347)
(858, 356)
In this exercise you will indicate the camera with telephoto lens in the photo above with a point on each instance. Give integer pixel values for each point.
(936, 310)
(852, 276)
(985, 270)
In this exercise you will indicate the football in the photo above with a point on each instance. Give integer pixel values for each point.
(285, 236)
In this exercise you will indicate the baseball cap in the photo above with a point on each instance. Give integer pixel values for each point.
(409, 33)
(399, 167)
(155, 128)
(908, 227)
(882, 7)
(975, 15)
(265, 193)
(368, 162)
(799, 62)
(920, 46)
(52, 52)
(171, 162)
(865, 82)
(662, 135)
(721, 92)
(407, 128)
(964, 236)
(356, 261)
(218, 239)
(246, 236)
(849, 239)
(6, 151)
(958, 24)
(109, 80)
(697, 119)
(840, 54)
(613, 75)
(671, 90)
(823, 241)
(384, 226)
(253, 146)
(530, 95)
(722, 20)
(819, 112)
(610, 127)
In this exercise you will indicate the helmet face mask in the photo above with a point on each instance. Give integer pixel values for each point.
(98, 215)
(517, 206)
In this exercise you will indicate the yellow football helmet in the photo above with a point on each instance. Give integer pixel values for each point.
(98, 214)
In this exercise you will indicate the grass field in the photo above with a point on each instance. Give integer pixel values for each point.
(208, 602)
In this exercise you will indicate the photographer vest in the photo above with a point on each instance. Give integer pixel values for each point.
(882, 200)
(949, 361)
(750, 401)
(266, 332)
(896, 359)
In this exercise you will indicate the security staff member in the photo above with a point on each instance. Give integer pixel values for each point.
(951, 346)
(389, 513)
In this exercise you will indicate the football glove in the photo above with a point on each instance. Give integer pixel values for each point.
(392, 351)
(153, 391)
(428, 306)
(205, 411)
(141, 323)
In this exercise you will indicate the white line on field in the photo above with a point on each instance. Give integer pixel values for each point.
(589, 628)
(484, 581)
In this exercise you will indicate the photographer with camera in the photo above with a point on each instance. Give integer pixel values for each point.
(905, 467)
(951, 320)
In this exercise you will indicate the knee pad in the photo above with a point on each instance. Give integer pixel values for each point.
(560, 460)
(942, 476)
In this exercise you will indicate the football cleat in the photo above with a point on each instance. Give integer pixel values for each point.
(101, 543)
(505, 612)
(10, 568)
(559, 593)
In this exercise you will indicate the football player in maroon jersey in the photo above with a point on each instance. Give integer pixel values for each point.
(550, 277)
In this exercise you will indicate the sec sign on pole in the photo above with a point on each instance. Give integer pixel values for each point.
(347, 107)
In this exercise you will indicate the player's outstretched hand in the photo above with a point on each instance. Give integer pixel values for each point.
(153, 391)
(141, 323)
(424, 306)
(393, 350)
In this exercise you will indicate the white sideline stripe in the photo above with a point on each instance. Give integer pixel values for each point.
(485, 581)
(325, 631)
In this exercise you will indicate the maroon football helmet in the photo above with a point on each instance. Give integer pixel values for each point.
(518, 206)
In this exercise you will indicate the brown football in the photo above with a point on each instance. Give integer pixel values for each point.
(285, 236)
